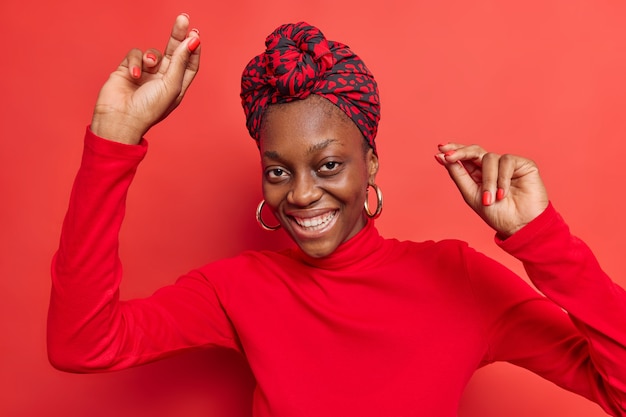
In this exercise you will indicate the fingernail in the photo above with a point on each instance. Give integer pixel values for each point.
(193, 44)
(438, 159)
(449, 153)
(135, 72)
(151, 56)
(196, 30)
(186, 15)
(486, 198)
(499, 194)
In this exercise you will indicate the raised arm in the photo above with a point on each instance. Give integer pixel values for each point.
(147, 86)
(89, 328)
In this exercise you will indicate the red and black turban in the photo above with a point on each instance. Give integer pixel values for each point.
(299, 61)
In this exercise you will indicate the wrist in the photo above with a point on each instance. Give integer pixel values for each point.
(532, 219)
(505, 234)
(116, 130)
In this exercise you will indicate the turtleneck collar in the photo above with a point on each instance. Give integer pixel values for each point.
(357, 249)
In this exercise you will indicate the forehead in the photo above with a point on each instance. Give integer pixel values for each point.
(307, 124)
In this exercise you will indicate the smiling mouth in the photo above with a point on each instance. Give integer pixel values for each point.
(315, 223)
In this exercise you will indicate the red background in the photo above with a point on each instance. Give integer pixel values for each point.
(545, 79)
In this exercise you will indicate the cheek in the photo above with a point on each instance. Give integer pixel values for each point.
(268, 192)
(352, 189)
(360, 180)
(273, 194)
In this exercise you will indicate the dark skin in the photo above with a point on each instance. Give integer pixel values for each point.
(506, 191)
(315, 173)
(147, 86)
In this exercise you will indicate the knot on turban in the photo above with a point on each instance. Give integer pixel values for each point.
(299, 61)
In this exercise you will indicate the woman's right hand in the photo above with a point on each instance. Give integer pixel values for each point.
(147, 86)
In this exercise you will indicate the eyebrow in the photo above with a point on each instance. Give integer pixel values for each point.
(271, 154)
(314, 148)
(321, 145)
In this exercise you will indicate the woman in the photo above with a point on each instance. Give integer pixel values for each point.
(346, 322)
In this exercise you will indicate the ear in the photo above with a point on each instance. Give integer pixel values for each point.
(372, 165)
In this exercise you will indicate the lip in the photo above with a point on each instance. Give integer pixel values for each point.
(312, 225)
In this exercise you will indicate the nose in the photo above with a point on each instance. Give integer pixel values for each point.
(304, 191)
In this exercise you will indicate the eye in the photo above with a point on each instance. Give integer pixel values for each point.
(330, 167)
(275, 174)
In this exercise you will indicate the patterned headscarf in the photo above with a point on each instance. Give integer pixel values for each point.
(299, 61)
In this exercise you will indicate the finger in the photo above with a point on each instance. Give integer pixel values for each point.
(152, 60)
(470, 157)
(178, 34)
(449, 146)
(193, 45)
(456, 152)
(184, 64)
(133, 63)
(473, 169)
(505, 175)
(512, 168)
(468, 187)
(490, 176)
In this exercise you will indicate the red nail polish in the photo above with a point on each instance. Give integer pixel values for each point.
(136, 72)
(449, 153)
(193, 44)
(439, 160)
(499, 194)
(186, 15)
(151, 56)
(196, 30)
(486, 198)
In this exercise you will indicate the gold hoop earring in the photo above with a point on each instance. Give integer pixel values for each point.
(259, 219)
(379, 199)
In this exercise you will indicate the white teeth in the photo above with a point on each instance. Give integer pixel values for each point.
(315, 222)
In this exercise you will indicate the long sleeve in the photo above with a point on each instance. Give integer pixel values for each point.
(89, 328)
(587, 353)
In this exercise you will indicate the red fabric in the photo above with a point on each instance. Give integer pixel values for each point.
(380, 327)
(299, 61)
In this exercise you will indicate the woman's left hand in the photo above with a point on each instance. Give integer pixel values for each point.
(506, 191)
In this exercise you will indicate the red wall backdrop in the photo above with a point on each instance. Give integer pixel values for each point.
(544, 79)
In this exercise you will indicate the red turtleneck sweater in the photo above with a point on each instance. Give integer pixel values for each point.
(379, 328)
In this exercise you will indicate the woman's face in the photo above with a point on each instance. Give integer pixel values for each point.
(315, 173)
